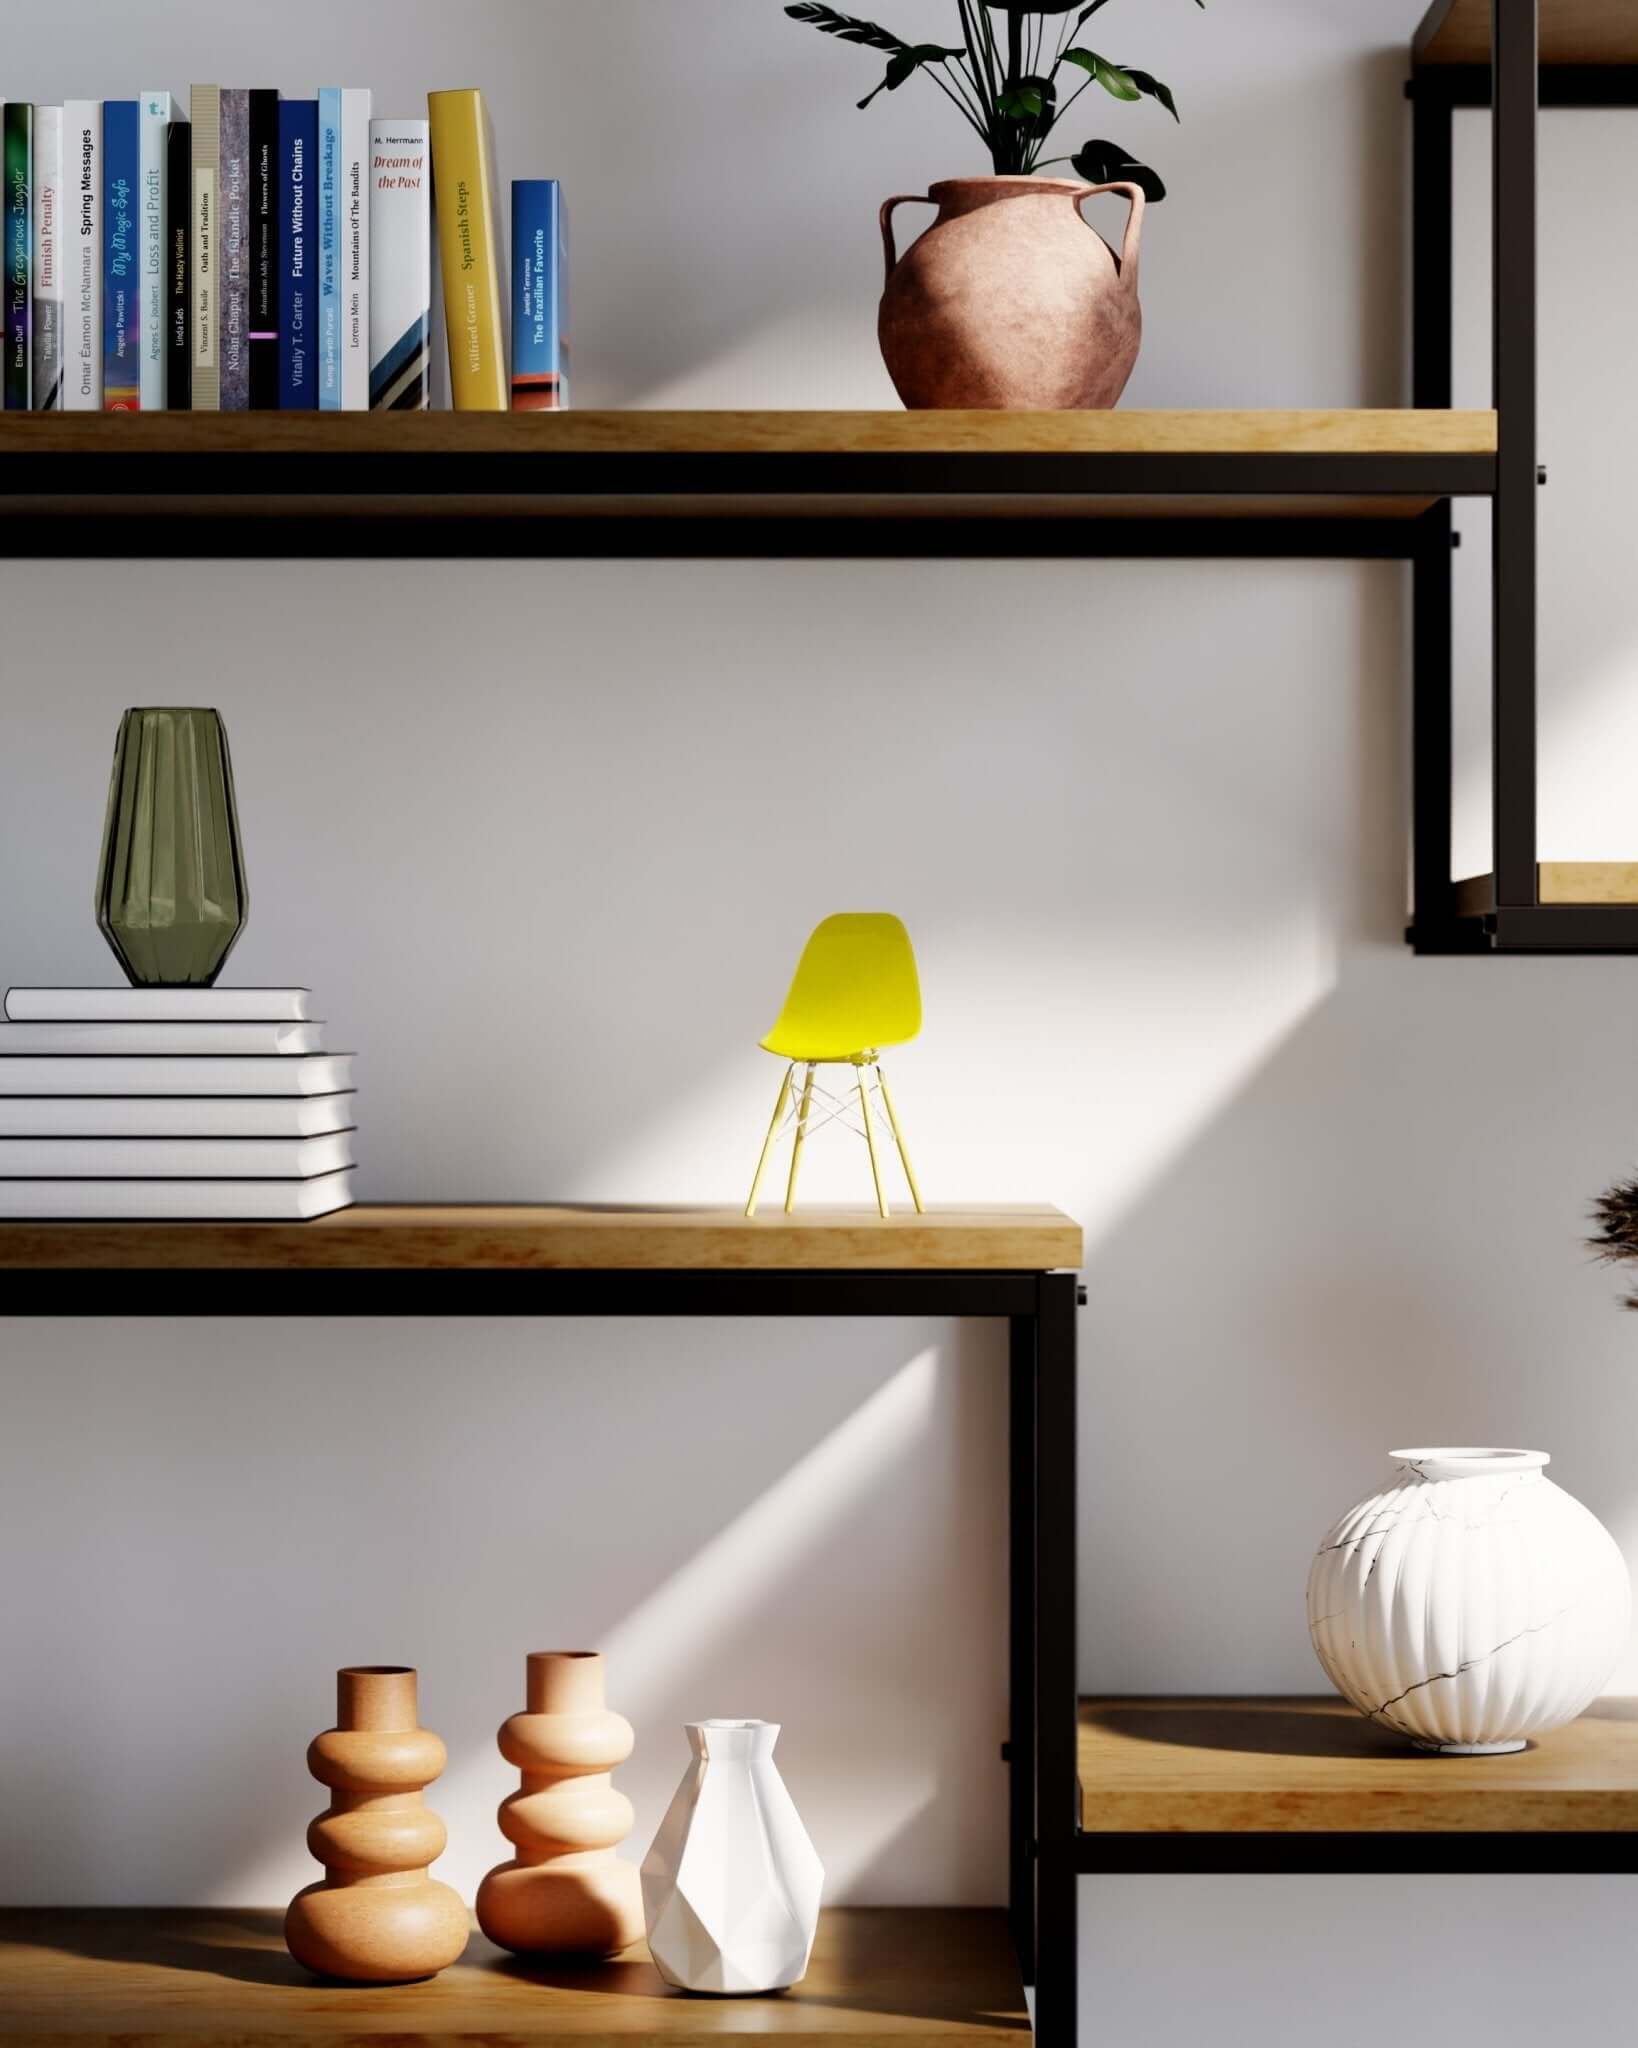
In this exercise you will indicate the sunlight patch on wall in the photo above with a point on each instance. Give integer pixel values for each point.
(672, 1643)
(993, 1110)
(666, 1658)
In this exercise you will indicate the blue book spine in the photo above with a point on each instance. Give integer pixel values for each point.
(121, 257)
(298, 255)
(540, 296)
(329, 249)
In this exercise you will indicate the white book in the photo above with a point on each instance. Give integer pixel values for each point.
(174, 1116)
(174, 1201)
(232, 1040)
(159, 1005)
(174, 1158)
(48, 253)
(355, 249)
(400, 267)
(82, 256)
(155, 112)
(173, 1074)
(267, 1040)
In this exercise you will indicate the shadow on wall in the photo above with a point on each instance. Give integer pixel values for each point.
(1335, 1269)
(723, 278)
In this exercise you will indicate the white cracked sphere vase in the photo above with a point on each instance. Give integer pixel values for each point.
(1472, 1605)
(731, 1885)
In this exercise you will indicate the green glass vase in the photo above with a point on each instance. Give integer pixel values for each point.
(171, 892)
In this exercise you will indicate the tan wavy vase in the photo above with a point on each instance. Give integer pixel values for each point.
(376, 1917)
(565, 1892)
(1011, 301)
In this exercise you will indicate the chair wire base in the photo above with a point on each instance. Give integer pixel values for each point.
(803, 1111)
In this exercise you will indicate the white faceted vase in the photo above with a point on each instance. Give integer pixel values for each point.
(731, 1886)
(1472, 1605)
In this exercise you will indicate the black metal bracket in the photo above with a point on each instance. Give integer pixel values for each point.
(1512, 86)
(709, 536)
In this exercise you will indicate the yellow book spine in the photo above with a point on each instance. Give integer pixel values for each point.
(463, 183)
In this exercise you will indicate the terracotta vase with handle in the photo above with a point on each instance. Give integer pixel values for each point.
(1011, 301)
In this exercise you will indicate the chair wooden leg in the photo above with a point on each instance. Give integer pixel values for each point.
(870, 1140)
(768, 1142)
(898, 1139)
(801, 1133)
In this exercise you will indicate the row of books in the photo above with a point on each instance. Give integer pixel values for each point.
(270, 254)
(171, 1105)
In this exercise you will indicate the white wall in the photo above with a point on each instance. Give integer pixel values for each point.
(547, 840)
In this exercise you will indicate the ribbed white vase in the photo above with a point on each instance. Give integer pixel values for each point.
(1472, 1605)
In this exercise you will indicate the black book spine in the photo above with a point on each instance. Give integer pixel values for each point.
(264, 251)
(178, 267)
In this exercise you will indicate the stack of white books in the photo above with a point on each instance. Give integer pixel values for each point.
(172, 1104)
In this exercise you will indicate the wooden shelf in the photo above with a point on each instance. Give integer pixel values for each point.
(1572, 32)
(1558, 881)
(223, 1980)
(1169, 1766)
(540, 436)
(62, 474)
(389, 1239)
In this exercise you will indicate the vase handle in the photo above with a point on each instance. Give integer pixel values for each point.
(1134, 227)
(904, 199)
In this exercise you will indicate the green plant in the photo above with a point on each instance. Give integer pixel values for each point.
(1007, 94)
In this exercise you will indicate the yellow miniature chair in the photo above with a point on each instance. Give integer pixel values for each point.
(855, 991)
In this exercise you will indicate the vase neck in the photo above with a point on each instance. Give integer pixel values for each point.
(565, 1682)
(732, 1741)
(1471, 1462)
(955, 196)
(379, 1698)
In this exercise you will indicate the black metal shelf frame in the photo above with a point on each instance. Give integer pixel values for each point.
(669, 537)
(1039, 1309)
(1513, 87)
(327, 503)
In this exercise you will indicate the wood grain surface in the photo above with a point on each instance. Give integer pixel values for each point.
(223, 1980)
(1559, 881)
(1182, 1765)
(1382, 432)
(1572, 32)
(1022, 1239)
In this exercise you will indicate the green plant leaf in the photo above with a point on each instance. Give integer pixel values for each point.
(1146, 81)
(1110, 76)
(846, 26)
(906, 64)
(1028, 100)
(1106, 163)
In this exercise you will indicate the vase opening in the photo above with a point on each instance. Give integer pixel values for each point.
(1469, 1461)
(1008, 181)
(377, 1698)
(564, 1681)
(728, 1738)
